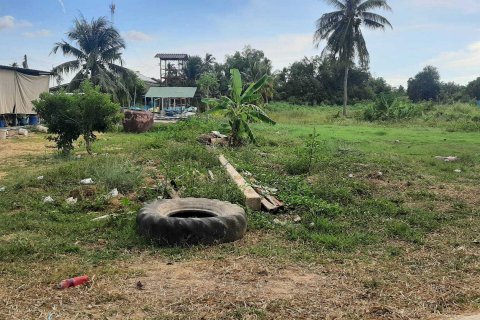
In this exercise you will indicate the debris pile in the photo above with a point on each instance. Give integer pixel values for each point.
(213, 138)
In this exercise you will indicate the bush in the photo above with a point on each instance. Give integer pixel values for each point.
(69, 116)
(389, 107)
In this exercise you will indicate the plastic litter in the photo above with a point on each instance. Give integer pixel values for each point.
(73, 282)
(23, 132)
(457, 171)
(87, 181)
(2, 189)
(40, 178)
(113, 194)
(48, 200)
(447, 159)
(71, 200)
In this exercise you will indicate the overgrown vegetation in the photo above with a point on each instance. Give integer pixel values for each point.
(360, 197)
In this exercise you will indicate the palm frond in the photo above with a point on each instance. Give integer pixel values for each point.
(68, 50)
(374, 4)
(337, 4)
(376, 18)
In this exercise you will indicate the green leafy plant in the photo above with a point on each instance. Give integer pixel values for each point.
(241, 107)
(70, 115)
(390, 107)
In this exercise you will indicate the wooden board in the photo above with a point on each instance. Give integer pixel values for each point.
(252, 199)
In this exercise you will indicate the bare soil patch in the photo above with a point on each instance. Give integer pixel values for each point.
(246, 287)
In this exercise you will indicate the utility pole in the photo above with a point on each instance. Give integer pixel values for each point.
(112, 12)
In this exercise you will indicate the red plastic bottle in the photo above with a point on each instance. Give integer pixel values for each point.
(73, 282)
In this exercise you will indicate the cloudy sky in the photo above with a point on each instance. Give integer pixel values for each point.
(443, 33)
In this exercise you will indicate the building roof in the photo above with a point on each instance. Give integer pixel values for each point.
(30, 72)
(172, 56)
(145, 78)
(171, 92)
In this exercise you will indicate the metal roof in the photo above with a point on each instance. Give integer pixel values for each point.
(172, 56)
(30, 72)
(171, 92)
(145, 78)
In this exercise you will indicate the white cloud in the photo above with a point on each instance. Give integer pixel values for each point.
(134, 35)
(282, 49)
(462, 65)
(9, 22)
(37, 34)
(467, 6)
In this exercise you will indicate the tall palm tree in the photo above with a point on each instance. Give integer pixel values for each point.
(342, 31)
(208, 62)
(97, 53)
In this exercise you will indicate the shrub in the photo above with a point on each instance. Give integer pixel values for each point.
(82, 113)
(389, 107)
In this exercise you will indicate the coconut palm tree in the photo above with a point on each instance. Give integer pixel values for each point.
(97, 52)
(208, 62)
(342, 31)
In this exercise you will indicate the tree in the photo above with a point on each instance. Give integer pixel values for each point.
(208, 83)
(251, 63)
(15, 65)
(193, 68)
(70, 115)
(342, 31)
(208, 62)
(473, 89)
(319, 79)
(25, 62)
(97, 52)
(240, 108)
(425, 85)
(451, 92)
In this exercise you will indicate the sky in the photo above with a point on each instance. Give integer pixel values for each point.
(442, 33)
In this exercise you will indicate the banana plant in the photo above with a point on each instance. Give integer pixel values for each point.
(241, 107)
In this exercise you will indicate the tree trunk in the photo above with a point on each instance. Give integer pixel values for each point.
(345, 92)
(88, 143)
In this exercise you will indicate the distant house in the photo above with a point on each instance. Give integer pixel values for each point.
(19, 87)
(163, 98)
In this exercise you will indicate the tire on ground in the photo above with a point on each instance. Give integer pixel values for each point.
(191, 221)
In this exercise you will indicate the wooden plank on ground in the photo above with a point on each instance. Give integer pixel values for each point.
(274, 200)
(268, 205)
(252, 199)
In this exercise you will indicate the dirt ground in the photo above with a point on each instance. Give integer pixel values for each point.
(16, 148)
(245, 287)
(224, 286)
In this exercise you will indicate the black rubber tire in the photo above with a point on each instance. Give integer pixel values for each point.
(226, 222)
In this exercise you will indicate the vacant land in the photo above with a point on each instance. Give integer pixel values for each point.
(386, 231)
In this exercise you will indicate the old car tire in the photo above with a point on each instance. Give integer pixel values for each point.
(192, 221)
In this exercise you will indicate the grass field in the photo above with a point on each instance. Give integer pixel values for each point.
(387, 231)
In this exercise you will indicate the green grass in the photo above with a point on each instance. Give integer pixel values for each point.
(330, 180)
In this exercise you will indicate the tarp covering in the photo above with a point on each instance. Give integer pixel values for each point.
(18, 90)
(7, 91)
(171, 92)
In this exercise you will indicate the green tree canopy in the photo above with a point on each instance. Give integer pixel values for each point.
(425, 85)
(473, 89)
